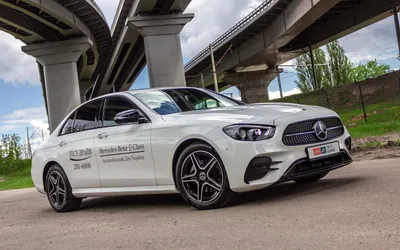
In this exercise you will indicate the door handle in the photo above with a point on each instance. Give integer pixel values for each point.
(63, 144)
(102, 136)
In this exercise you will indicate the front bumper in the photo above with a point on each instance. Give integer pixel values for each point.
(286, 162)
(305, 168)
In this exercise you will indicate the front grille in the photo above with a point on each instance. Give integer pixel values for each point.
(301, 133)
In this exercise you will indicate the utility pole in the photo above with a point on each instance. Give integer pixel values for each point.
(42, 135)
(396, 23)
(214, 70)
(313, 65)
(28, 143)
(279, 81)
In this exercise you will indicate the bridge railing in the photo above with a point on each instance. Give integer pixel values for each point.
(227, 35)
(98, 9)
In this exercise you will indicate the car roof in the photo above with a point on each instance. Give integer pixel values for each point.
(134, 92)
(138, 91)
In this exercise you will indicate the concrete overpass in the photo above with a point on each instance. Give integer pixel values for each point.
(79, 59)
(276, 32)
(70, 40)
(129, 53)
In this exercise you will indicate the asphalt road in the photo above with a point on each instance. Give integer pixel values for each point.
(357, 207)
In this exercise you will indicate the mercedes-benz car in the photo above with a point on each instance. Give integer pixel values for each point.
(191, 141)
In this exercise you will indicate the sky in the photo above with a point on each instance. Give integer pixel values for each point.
(21, 98)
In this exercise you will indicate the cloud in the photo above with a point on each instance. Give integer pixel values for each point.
(7, 128)
(21, 69)
(272, 94)
(276, 95)
(108, 7)
(31, 117)
(211, 21)
(377, 41)
(27, 114)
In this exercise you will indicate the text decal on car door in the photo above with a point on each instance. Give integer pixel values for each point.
(130, 152)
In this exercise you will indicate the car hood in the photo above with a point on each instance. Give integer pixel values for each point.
(261, 113)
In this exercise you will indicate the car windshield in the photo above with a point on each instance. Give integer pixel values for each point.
(171, 101)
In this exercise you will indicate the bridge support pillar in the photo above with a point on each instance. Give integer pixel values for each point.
(253, 86)
(163, 47)
(61, 75)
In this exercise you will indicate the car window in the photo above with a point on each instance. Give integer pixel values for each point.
(171, 101)
(69, 125)
(86, 116)
(112, 107)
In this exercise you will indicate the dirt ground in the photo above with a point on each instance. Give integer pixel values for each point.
(376, 147)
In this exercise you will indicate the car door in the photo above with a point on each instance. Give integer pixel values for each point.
(76, 146)
(123, 151)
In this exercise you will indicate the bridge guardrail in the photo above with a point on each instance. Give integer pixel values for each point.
(230, 32)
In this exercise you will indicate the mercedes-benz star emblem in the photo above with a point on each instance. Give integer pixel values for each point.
(320, 130)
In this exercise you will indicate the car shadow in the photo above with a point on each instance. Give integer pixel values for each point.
(137, 201)
(283, 191)
(292, 190)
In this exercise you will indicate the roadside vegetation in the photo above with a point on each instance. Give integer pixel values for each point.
(381, 119)
(333, 69)
(14, 171)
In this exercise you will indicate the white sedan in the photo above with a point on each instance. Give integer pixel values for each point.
(191, 141)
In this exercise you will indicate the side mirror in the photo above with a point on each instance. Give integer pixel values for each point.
(128, 116)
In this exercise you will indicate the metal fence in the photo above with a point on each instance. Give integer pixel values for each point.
(385, 88)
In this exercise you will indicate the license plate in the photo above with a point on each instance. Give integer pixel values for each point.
(323, 150)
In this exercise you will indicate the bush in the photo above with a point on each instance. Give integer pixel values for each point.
(15, 167)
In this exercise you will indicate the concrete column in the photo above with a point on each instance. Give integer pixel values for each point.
(252, 85)
(163, 47)
(61, 75)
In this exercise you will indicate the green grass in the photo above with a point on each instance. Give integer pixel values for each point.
(372, 144)
(16, 175)
(16, 182)
(381, 119)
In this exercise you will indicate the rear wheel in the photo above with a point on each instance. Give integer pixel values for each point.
(311, 179)
(201, 177)
(59, 191)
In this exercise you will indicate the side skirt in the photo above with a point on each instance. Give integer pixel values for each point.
(115, 191)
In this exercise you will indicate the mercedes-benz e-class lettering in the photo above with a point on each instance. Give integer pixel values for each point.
(195, 142)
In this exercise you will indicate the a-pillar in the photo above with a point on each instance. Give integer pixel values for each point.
(163, 47)
(60, 74)
(253, 85)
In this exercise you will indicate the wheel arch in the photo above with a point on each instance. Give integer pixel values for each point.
(46, 170)
(185, 143)
(179, 150)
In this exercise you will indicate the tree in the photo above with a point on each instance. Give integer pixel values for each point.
(305, 78)
(11, 147)
(371, 69)
(339, 63)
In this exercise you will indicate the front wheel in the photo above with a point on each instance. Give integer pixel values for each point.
(59, 191)
(201, 177)
(311, 179)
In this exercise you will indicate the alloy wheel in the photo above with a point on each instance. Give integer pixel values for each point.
(202, 176)
(56, 189)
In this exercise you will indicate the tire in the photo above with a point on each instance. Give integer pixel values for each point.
(311, 179)
(59, 191)
(199, 168)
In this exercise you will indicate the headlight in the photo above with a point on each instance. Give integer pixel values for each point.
(249, 132)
